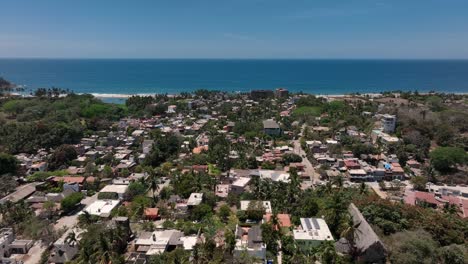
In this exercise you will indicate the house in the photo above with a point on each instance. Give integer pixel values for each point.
(137, 133)
(64, 250)
(239, 185)
(249, 239)
(358, 175)
(119, 189)
(21, 193)
(157, 242)
(195, 199)
(371, 248)
(352, 164)
(37, 167)
(151, 213)
(312, 233)
(200, 149)
(9, 245)
(147, 145)
(244, 205)
(222, 190)
(271, 128)
(102, 208)
(274, 175)
(284, 221)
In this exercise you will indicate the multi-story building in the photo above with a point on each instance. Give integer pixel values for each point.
(388, 123)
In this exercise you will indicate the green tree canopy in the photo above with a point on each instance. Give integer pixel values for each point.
(445, 158)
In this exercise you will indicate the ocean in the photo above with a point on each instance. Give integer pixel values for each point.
(147, 76)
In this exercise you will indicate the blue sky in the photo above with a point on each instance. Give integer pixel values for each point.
(234, 29)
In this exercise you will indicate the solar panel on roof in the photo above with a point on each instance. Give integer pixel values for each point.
(308, 224)
(316, 224)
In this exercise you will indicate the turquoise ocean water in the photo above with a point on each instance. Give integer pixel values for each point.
(140, 76)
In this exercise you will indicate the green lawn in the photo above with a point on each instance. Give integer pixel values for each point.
(307, 111)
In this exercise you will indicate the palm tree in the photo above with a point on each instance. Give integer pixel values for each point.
(363, 188)
(71, 238)
(351, 232)
(451, 209)
(85, 218)
(327, 252)
(154, 182)
(335, 209)
(339, 181)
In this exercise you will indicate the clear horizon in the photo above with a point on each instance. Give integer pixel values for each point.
(255, 29)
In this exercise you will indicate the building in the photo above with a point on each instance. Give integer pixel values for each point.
(195, 199)
(249, 239)
(118, 189)
(147, 145)
(239, 185)
(274, 175)
(388, 123)
(261, 94)
(312, 233)
(151, 213)
(244, 205)
(102, 208)
(9, 245)
(359, 175)
(64, 250)
(281, 93)
(284, 221)
(271, 128)
(157, 242)
(21, 193)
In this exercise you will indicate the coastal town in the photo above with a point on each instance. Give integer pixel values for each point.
(266, 176)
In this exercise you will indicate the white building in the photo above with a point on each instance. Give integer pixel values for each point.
(239, 185)
(388, 123)
(273, 175)
(244, 205)
(195, 199)
(119, 189)
(102, 208)
(313, 232)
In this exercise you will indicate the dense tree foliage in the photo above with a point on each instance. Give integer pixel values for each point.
(8, 163)
(70, 202)
(50, 122)
(62, 157)
(445, 158)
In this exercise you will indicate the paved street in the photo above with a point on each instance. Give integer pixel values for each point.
(308, 168)
(34, 254)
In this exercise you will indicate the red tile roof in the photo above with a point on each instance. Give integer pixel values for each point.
(283, 219)
(427, 197)
(152, 212)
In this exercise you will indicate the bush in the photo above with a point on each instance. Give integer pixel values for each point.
(70, 202)
(201, 211)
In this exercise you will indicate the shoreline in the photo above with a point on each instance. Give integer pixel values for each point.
(126, 96)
